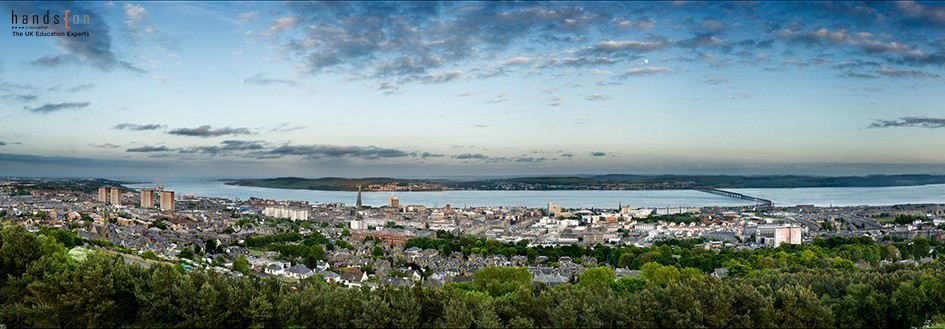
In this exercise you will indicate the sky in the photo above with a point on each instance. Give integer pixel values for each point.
(420, 89)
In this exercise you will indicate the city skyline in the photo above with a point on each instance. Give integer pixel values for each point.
(471, 88)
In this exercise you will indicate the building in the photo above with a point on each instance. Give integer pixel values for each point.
(554, 209)
(788, 235)
(358, 225)
(115, 195)
(394, 202)
(103, 194)
(359, 199)
(147, 198)
(167, 200)
(288, 213)
(776, 235)
(391, 238)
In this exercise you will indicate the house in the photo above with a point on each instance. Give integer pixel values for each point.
(550, 279)
(622, 272)
(299, 272)
(398, 282)
(330, 277)
(352, 277)
(274, 269)
(720, 273)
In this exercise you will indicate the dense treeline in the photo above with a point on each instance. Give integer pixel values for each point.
(42, 286)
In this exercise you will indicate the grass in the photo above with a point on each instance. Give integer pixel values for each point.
(888, 219)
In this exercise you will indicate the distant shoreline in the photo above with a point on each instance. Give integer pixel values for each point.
(591, 183)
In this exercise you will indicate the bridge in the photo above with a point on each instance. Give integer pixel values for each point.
(759, 202)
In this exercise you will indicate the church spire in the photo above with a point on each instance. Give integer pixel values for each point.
(359, 198)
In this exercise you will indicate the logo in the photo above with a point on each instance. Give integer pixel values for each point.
(49, 21)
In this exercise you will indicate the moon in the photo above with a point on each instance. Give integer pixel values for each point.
(646, 61)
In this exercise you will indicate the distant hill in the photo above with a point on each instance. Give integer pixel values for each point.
(597, 182)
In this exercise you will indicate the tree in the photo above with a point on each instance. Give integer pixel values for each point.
(627, 285)
(920, 248)
(186, 253)
(240, 264)
(315, 254)
(377, 252)
(601, 277)
(658, 274)
(211, 246)
(500, 281)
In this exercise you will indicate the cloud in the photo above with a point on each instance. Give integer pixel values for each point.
(137, 127)
(135, 16)
(283, 23)
(503, 97)
(890, 72)
(247, 16)
(208, 131)
(641, 71)
(388, 88)
(635, 46)
(519, 60)
(406, 66)
(81, 88)
(335, 151)
(105, 146)
(148, 149)
(928, 14)
(717, 80)
(598, 154)
(554, 100)
(49, 108)
(355, 35)
(261, 80)
(19, 98)
(134, 12)
(597, 97)
(425, 155)
(441, 77)
(578, 61)
(2, 143)
(643, 24)
(465, 156)
(917, 122)
(286, 127)
(226, 147)
(857, 75)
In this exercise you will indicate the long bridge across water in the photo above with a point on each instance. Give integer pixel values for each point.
(759, 202)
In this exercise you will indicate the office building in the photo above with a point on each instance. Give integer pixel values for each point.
(394, 202)
(103, 194)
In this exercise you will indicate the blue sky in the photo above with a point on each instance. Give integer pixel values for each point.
(473, 88)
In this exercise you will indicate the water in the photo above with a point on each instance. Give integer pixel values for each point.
(837, 196)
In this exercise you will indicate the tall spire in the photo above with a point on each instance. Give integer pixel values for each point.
(359, 198)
